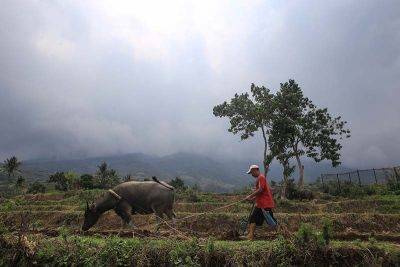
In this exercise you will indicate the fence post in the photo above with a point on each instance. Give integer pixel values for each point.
(397, 175)
(322, 180)
(350, 178)
(376, 181)
(338, 182)
(359, 180)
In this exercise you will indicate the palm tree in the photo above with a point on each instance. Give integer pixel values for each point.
(102, 170)
(107, 177)
(11, 166)
(102, 174)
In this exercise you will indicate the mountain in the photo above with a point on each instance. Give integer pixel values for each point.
(210, 174)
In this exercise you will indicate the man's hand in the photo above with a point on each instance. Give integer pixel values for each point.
(250, 197)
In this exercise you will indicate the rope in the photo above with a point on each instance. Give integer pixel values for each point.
(191, 216)
(163, 221)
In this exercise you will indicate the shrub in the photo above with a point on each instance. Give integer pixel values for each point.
(178, 183)
(3, 228)
(8, 205)
(293, 192)
(64, 232)
(306, 236)
(185, 254)
(193, 197)
(118, 252)
(327, 230)
(60, 180)
(394, 186)
(87, 181)
(36, 187)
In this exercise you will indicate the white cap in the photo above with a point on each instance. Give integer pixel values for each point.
(252, 167)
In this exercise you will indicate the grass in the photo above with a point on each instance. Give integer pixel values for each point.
(115, 251)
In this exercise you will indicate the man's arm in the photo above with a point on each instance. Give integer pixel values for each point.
(254, 194)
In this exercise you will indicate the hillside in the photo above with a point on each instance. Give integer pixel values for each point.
(210, 174)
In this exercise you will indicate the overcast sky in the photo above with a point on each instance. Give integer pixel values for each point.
(90, 78)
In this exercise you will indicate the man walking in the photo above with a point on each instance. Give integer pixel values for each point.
(264, 202)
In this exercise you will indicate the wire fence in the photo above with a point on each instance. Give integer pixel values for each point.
(363, 177)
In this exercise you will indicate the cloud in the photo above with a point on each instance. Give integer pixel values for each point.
(87, 78)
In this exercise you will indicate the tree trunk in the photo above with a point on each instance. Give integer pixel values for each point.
(265, 163)
(265, 166)
(301, 172)
(284, 187)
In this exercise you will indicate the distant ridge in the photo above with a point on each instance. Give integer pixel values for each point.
(210, 174)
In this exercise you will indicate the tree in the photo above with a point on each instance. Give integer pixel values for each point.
(281, 149)
(11, 166)
(102, 169)
(249, 115)
(73, 180)
(20, 183)
(87, 181)
(61, 182)
(113, 178)
(177, 183)
(306, 130)
(107, 177)
(36, 188)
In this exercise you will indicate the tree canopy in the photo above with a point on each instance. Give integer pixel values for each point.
(106, 177)
(250, 114)
(300, 128)
(291, 125)
(11, 166)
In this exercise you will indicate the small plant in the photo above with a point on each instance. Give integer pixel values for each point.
(372, 240)
(185, 254)
(8, 205)
(305, 233)
(306, 236)
(64, 233)
(3, 229)
(87, 181)
(327, 231)
(192, 195)
(210, 245)
(36, 225)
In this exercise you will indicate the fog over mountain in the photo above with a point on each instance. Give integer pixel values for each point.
(83, 79)
(209, 174)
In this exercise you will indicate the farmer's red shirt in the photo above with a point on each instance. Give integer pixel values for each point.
(265, 199)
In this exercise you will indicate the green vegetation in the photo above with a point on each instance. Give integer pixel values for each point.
(351, 190)
(87, 181)
(106, 178)
(44, 229)
(305, 249)
(178, 183)
(11, 166)
(36, 187)
(291, 126)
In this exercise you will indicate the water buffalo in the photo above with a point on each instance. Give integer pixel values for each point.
(133, 197)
